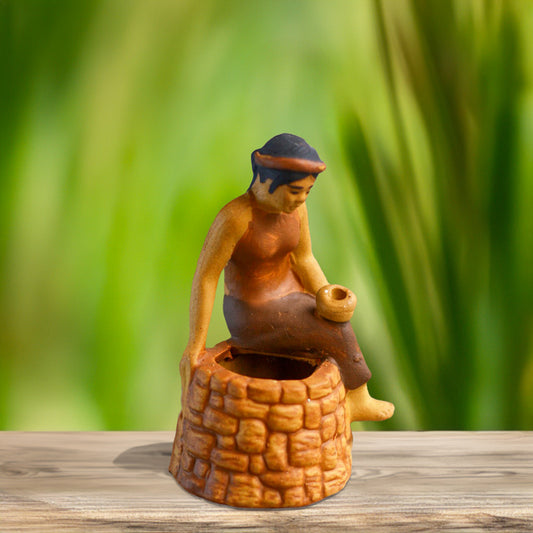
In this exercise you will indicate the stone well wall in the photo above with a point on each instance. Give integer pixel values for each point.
(252, 442)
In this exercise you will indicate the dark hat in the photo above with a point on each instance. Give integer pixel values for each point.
(289, 152)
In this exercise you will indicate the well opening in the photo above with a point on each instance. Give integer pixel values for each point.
(263, 366)
(338, 293)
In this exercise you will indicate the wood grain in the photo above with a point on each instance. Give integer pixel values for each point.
(401, 481)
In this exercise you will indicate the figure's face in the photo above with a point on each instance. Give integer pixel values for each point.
(286, 198)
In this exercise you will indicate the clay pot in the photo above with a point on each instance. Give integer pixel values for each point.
(263, 431)
(336, 303)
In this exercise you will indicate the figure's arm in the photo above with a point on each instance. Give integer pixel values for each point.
(228, 227)
(303, 260)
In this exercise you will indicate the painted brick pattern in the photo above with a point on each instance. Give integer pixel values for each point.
(251, 442)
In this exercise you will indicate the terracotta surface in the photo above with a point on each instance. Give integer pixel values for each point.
(289, 163)
(252, 442)
(336, 303)
(270, 430)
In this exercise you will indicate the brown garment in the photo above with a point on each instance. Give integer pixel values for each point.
(260, 266)
(267, 309)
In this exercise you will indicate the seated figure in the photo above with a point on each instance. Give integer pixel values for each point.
(261, 240)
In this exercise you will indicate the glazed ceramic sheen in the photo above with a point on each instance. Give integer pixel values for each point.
(265, 418)
(256, 442)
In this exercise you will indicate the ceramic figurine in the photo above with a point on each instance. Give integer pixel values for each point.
(265, 418)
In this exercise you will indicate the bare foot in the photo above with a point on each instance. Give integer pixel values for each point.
(365, 408)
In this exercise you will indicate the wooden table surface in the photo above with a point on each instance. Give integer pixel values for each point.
(401, 481)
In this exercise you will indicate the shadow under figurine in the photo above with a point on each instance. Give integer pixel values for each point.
(265, 418)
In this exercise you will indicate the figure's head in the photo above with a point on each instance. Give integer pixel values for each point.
(286, 198)
(285, 159)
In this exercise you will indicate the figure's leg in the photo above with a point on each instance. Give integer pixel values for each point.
(290, 326)
(363, 407)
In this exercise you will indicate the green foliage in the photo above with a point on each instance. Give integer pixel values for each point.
(445, 195)
(125, 126)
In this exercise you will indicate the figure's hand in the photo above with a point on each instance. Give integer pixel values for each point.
(187, 365)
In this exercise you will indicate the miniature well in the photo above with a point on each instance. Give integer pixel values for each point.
(262, 431)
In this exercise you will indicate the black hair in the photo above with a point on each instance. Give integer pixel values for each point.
(283, 145)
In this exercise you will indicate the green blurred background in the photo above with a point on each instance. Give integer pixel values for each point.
(126, 125)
